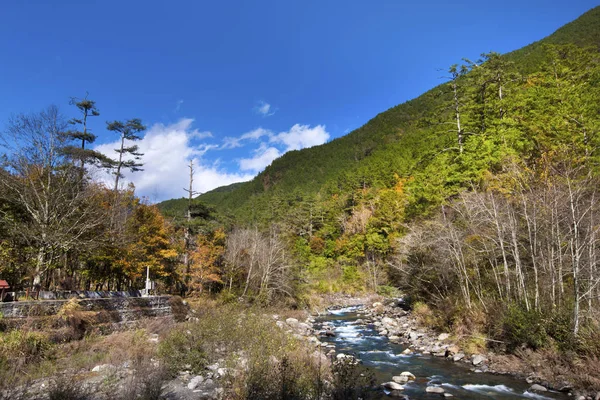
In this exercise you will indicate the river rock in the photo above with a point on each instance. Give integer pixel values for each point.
(400, 379)
(103, 367)
(458, 357)
(195, 382)
(409, 375)
(443, 336)
(538, 388)
(478, 359)
(407, 352)
(434, 389)
(392, 386)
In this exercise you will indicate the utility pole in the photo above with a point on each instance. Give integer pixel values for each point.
(187, 234)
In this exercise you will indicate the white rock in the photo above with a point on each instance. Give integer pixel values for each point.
(478, 359)
(400, 379)
(103, 367)
(458, 357)
(443, 336)
(392, 386)
(291, 322)
(434, 389)
(409, 375)
(538, 388)
(195, 382)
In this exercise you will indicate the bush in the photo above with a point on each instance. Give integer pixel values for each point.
(351, 381)
(18, 349)
(182, 349)
(388, 291)
(178, 308)
(62, 388)
(145, 384)
(522, 328)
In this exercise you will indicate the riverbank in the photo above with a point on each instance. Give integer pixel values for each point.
(394, 320)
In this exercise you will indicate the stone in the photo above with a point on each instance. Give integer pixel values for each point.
(392, 386)
(400, 379)
(388, 321)
(538, 388)
(377, 305)
(409, 375)
(458, 357)
(195, 382)
(413, 335)
(407, 351)
(394, 338)
(443, 336)
(434, 389)
(448, 395)
(398, 395)
(221, 372)
(103, 367)
(478, 359)
(291, 322)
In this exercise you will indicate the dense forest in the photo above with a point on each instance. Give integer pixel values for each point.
(478, 199)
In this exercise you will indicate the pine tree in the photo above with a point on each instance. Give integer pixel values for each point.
(130, 131)
(79, 152)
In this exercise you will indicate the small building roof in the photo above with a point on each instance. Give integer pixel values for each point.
(4, 284)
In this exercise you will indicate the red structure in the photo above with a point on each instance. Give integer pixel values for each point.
(4, 286)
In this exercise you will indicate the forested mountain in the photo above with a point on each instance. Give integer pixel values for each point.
(478, 198)
(401, 140)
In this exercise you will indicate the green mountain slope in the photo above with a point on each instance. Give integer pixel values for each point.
(398, 142)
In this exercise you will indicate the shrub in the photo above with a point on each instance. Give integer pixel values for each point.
(424, 314)
(523, 328)
(63, 388)
(23, 348)
(145, 384)
(182, 349)
(178, 308)
(351, 381)
(388, 291)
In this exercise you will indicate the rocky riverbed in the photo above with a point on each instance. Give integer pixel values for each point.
(430, 351)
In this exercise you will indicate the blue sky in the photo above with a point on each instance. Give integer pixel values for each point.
(233, 84)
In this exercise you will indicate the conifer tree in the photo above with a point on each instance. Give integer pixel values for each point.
(82, 134)
(129, 131)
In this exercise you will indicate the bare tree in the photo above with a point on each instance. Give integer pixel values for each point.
(61, 211)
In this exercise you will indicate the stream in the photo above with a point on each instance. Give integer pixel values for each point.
(385, 360)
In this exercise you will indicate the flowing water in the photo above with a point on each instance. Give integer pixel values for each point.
(385, 360)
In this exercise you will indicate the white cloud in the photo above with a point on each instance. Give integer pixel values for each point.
(234, 142)
(167, 150)
(263, 156)
(298, 137)
(263, 108)
(301, 136)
